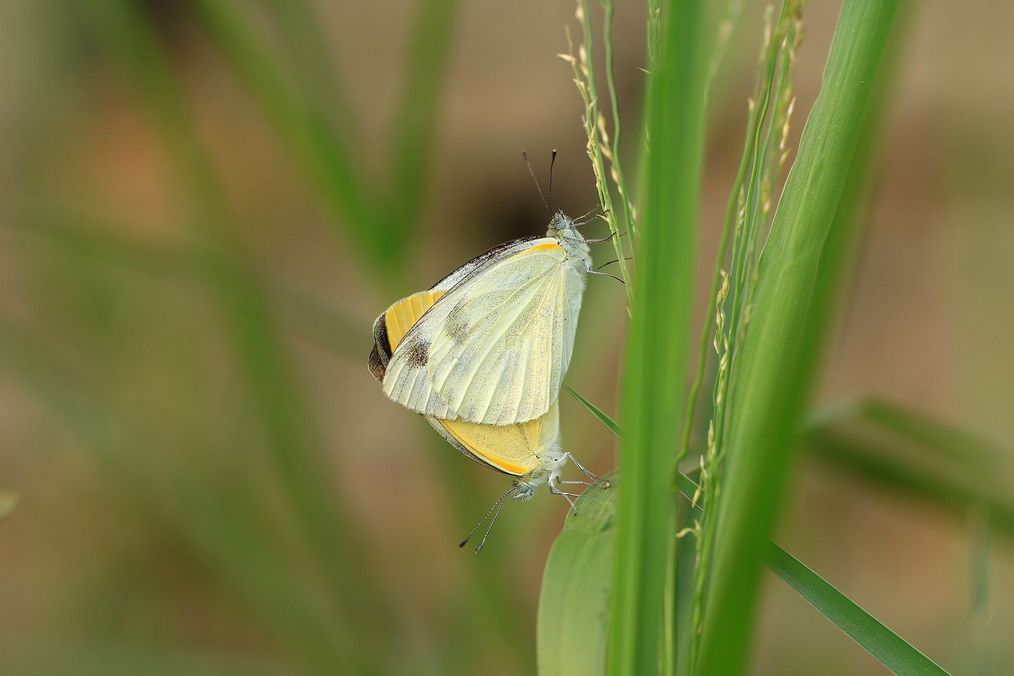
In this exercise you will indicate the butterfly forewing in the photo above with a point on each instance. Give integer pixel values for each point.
(494, 348)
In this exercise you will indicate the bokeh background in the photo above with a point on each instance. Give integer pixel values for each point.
(204, 205)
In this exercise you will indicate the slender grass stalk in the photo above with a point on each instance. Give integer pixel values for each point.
(775, 377)
(597, 145)
(619, 181)
(657, 344)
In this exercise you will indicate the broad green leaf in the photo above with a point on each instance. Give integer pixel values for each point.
(574, 602)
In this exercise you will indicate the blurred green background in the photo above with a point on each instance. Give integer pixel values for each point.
(204, 205)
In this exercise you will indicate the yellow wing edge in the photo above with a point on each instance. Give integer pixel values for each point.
(512, 449)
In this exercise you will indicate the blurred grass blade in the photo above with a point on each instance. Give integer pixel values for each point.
(382, 231)
(878, 463)
(8, 501)
(273, 386)
(333, 329)
(321, 153)
(414, 128)
(887, 647)
(775, 373)
(583, 66)
(657, 346)
(574, 602)
(945, 440)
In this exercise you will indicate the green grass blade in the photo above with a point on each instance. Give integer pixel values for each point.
(574, 602)
(211, 523)
(599, 414)
(883, 644)
(775, 375)
(943, 439)
(657, 345)
(887, 647)
(312, 62)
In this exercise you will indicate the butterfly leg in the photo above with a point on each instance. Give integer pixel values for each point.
(600, 239)
(594, 478)
(569, 497)
(605, 274)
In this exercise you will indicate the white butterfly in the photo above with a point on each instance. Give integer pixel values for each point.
(530, 451)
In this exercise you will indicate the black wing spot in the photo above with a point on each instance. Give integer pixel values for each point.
(418, 353)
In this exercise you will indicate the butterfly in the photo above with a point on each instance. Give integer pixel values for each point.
(495, 342)
(482, 355)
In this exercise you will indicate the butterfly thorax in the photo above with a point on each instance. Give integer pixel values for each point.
(551, 462)
(578, 254)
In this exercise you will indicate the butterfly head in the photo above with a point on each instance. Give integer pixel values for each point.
(561, 223)
(564, 229)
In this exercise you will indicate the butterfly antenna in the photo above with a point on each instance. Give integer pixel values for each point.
(496, 515)
(495, 509)
(531, 172)
(552, 162)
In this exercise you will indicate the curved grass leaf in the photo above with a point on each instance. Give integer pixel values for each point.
(887, 647)
(602, 416)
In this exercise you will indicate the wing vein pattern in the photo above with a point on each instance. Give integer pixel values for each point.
(492, 350)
